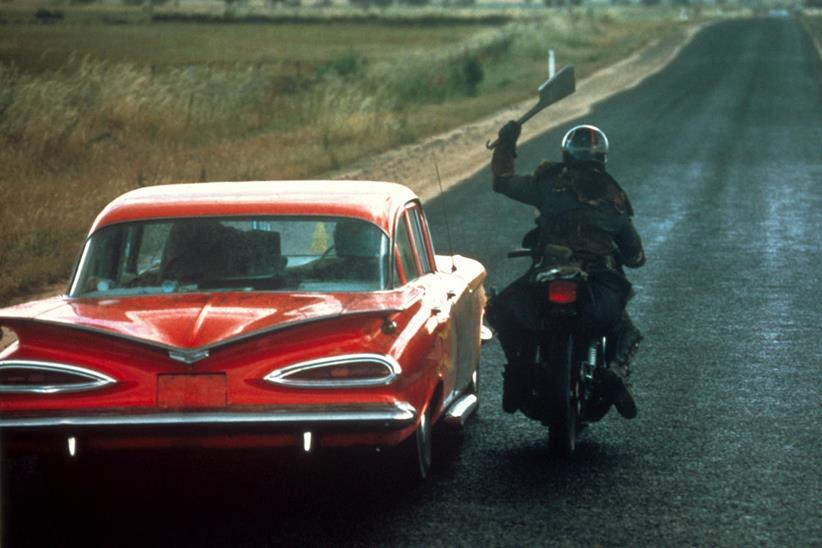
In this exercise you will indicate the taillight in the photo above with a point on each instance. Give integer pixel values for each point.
(562, 292)
(362, 370)
(340, 371)
(34, 377)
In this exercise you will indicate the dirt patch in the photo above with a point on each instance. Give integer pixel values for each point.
(460, 153)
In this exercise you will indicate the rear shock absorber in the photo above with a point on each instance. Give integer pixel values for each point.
(592, 354)
(591, 361)
(588, 367)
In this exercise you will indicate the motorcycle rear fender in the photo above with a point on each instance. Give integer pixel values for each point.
(552, 272)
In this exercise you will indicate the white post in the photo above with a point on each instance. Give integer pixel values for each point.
(552, 63)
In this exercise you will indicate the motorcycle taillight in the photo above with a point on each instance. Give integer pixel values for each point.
(562, 292)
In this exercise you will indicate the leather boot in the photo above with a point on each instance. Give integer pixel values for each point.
(627, 337)
(619, 390)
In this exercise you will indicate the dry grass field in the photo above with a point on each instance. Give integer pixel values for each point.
(97, 103)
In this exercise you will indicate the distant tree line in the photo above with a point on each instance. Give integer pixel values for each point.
(415, 3)
(45, 16)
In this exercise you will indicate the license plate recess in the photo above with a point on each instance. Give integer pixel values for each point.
(191, 391)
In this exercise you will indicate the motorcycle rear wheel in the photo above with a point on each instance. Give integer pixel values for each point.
(563, 428)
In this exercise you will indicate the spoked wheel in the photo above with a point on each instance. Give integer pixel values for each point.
(562, 430)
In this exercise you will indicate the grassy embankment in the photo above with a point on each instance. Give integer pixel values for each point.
(98, 103)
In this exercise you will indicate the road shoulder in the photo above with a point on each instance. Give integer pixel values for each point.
(460, 153)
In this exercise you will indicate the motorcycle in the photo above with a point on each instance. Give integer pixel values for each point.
(567, 387)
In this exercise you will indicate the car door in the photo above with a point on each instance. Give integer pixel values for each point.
(466, 303)
(415, 265)
(455, 305)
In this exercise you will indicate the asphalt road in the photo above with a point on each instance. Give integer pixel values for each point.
(721, 154)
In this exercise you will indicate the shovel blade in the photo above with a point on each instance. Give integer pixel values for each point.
(563, 84)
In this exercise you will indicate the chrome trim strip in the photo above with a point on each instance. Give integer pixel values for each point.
(280, 376)
(394, 415)
(188, 357)
(80, 264)
(96, 379)
(562, 273)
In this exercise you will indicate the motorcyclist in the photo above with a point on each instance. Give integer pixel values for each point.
(583, 208)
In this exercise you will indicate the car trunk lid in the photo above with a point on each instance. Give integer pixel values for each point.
(199, 321)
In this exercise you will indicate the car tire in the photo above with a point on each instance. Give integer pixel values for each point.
(423, 438)
(417, 450)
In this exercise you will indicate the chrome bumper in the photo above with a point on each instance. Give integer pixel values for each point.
(380, 416)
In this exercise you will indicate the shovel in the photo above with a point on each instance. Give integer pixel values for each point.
(552, 90)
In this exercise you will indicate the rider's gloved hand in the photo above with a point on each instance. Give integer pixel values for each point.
(508, 135)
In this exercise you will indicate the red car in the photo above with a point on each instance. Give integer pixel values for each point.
(263, 314)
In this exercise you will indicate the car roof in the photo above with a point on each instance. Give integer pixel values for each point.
(373, 201)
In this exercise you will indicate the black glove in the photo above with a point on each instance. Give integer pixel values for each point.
(508, 136)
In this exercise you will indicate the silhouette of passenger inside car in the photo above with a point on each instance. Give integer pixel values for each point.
(357, 247)
(204, 251)
(198, 250)
(357, 251)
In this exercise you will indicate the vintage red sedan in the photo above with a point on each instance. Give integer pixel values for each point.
(244, 315)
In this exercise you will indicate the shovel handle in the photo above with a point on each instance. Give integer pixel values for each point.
(521, 120)
(561, 85)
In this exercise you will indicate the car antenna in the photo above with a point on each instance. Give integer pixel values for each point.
(445, 216)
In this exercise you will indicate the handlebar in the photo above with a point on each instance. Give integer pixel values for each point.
(521, 252)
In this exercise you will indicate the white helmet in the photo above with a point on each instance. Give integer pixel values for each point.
(585, 144)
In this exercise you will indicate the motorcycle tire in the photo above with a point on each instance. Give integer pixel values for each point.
(565, 423)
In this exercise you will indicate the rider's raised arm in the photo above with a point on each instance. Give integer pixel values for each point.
(522, 188)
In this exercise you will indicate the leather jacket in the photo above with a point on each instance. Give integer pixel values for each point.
(580, 206)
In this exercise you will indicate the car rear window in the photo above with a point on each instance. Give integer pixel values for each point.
(327, 254)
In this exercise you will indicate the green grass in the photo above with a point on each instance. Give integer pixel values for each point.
(93, 109)
(35, 48)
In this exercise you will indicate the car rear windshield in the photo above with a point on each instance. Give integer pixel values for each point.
(324, 254)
